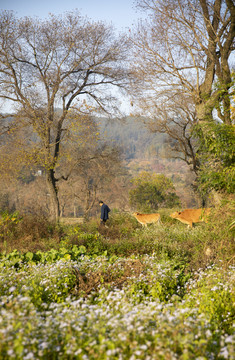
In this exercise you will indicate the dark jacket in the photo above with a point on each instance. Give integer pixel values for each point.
(105, 212)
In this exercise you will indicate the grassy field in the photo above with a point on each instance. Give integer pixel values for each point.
(202, 245)
(81, 291)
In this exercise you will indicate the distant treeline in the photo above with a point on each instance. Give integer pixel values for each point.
(132, 136)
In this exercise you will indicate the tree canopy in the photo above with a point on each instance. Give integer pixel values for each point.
(185, 47)
(55, 71)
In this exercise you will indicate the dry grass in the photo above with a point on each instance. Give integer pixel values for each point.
(71, 221)
(90, 282)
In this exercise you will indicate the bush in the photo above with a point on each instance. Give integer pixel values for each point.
(152, 191)
(217, 157)
(28, 232)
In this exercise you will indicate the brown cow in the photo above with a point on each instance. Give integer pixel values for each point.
(145, 219)
(191, 216)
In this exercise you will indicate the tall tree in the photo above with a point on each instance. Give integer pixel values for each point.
(182, 55)
(185, 48)
(65, 62)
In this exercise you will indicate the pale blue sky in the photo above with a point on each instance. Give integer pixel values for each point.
(121, 13)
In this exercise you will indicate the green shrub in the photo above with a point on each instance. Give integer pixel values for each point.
(152, 191)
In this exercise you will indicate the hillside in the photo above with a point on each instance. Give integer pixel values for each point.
(132, 136)
(143, 150)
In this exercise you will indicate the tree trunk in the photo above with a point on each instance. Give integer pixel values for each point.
(53, 195)
(203, 112)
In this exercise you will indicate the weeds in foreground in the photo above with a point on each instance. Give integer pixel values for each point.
(159, 312)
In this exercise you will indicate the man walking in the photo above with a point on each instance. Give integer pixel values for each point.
(104, 212)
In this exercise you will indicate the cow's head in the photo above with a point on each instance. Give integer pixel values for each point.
(175, 214)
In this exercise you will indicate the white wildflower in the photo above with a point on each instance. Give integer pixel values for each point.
(224, 353)
(10, 352)
(229, 339)
(208, 333)
(12, 288)
(29, 356)
(43, 345)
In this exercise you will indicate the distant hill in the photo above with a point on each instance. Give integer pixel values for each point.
(133, 137)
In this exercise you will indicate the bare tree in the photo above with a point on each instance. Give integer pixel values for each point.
(185, 49)
(175, 117)
(65, 62)
(183, 57)
(95, 167)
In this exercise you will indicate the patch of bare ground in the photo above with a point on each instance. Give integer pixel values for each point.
(71, 221)
(114, 276)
